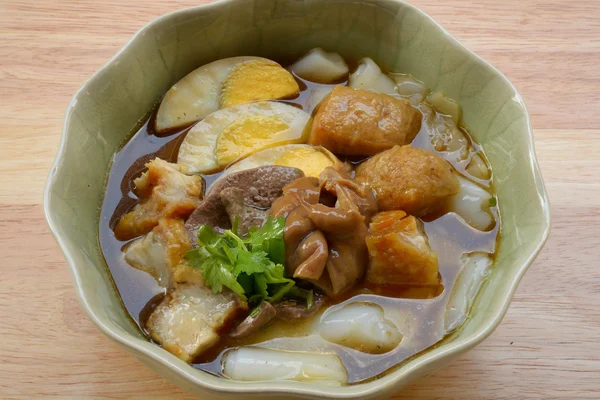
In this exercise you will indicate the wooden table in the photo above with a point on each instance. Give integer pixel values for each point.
(547, 345)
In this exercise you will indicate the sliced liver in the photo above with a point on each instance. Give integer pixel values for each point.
(260, 186)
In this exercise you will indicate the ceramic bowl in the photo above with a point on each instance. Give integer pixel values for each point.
(398, 37)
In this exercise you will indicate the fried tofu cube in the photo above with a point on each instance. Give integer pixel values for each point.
(361, 122)
(406, 178)
(187, 321)
(399, 251)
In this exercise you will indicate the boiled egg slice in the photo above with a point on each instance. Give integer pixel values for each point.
(223, 83)
(312, 160)
(236, 132)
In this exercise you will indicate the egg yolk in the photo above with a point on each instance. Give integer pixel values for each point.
(248, 135)
(310, 160)
(257, 80)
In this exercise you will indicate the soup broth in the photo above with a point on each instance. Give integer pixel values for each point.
(419, 309)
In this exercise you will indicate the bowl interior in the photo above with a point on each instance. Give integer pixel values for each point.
(399, 38)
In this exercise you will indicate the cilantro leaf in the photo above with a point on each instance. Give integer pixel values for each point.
(207, 235)
(269, 238)
(261, 285)
(252, 267)
(306, 295)
(251, 263)
(217, 275)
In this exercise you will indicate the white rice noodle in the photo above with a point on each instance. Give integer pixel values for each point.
(475, 269)
(410, 88)
(445, 105)
(478, 168)
(320, 66)
(361, 326)
(446, 137)
(368, 76)
(316, 95)
(258, 364)
(472, 203)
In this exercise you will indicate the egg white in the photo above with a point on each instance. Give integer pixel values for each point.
(197, 151)
(195, 95)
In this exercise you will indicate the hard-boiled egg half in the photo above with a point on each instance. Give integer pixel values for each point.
(312, 160)
(235, 132)
(223, 83)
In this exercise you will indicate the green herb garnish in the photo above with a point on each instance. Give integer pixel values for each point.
(252, 266)
(305, 294)
(493, 202)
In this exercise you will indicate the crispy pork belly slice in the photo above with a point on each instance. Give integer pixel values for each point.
(399, 251)
(165, 191)
(159, 251)
(188, 320)
(183, 273)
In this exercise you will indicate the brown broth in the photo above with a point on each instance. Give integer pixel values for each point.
(448, 235)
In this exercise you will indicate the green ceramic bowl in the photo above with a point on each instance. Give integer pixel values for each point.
(398, 37)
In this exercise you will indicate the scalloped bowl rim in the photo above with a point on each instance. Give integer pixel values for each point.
(271, 388)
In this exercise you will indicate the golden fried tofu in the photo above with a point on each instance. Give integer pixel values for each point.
(361, 122)
(399, 252)
(160, 251)
(165, 192)
(410, 179)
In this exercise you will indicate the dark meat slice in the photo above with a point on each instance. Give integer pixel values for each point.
(260, 187)
(287, 310)
(291, 310)
(248, 217)
(255, 321)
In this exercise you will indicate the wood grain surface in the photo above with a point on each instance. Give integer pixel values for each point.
(546, 347)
